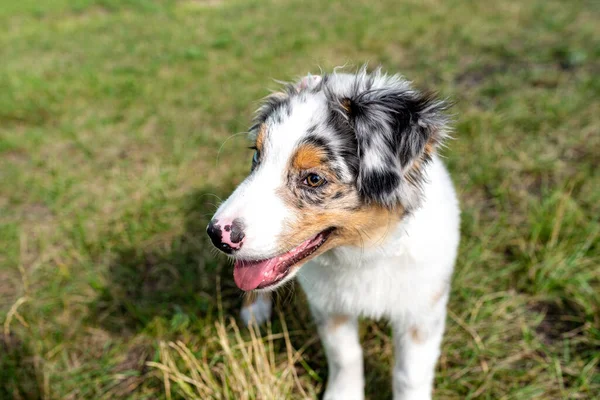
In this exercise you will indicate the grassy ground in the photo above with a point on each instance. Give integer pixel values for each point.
(112, 113)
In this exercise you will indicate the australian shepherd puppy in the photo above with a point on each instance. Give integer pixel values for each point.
(348, 196)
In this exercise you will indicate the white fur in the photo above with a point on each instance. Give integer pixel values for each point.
(258, 311)
(397, 280)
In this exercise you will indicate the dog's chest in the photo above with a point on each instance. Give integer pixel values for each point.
(372, 288)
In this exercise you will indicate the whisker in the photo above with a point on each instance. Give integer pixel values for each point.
(210, 194)
(362, 243)
(213, 205)
(226, 140)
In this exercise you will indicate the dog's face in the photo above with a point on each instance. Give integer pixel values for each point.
(337, 160)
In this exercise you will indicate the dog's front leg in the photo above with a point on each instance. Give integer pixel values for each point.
(339, 334)
(256, 308)
(417, 348)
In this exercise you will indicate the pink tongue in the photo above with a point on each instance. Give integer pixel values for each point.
(248, 275)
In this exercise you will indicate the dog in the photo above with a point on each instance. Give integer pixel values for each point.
(348, 195)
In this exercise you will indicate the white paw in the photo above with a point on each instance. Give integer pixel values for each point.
(422, 393)
(346, 386)
(259, 311)
(344, 394)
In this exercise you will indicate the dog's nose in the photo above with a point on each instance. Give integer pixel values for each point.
(227, 236)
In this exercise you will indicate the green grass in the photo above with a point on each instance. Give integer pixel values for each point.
(112, 114)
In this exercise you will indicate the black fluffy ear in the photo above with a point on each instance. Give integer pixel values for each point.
(397, 130)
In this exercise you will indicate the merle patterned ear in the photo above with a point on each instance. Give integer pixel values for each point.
(397, 130)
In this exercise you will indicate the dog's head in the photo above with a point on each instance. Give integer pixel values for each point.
(337, 159)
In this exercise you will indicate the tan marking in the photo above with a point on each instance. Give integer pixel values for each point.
(429, 148)
(260, 137)
(417, 164)
(437, 296)
(307, 157)
(363, 227)
(416, 335)
(336, 321)
(346, 105)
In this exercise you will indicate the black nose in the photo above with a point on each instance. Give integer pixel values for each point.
(216, 236)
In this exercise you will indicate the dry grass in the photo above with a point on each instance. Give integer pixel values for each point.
(239, 368)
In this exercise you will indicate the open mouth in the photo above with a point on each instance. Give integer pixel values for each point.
(260, 274)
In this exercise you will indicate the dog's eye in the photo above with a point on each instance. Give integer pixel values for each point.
(255, 158)
(314, 180)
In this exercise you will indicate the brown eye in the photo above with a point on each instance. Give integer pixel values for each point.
(314, 180)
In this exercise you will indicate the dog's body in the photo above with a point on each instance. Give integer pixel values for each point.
(381, 218)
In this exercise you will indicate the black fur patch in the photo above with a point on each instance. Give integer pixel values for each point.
(237, 231)
(379, 184)
(348, 153)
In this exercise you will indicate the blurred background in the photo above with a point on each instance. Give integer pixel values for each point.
(117, 123)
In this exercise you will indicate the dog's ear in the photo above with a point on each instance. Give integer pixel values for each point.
(397, 131)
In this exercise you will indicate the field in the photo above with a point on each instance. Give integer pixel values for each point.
(119, 124)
